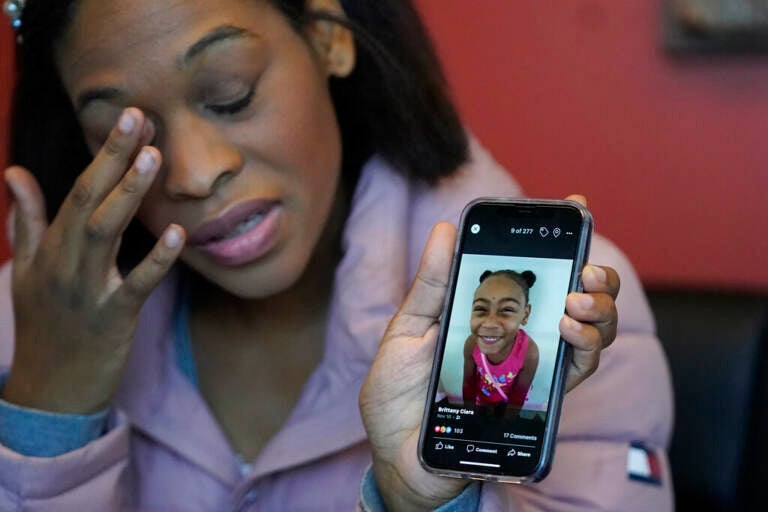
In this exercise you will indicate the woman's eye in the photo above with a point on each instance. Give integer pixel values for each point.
(235, 106)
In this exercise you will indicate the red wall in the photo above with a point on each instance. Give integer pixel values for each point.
(579, 97)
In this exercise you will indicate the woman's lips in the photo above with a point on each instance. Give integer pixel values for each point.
(241, 234)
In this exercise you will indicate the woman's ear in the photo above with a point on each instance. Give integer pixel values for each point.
(333, 42)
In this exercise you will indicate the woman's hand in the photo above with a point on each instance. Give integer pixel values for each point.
(591, 319)
(74, 313)
(393, 395)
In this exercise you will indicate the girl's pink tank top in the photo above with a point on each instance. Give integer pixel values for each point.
(501, 375)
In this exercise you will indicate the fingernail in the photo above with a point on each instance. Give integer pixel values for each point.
(172, 237)
(597, 272)
(148, 131)
(7, 178)
(11, 184)
(126, 124)
(572, 324)
(586, 301)
(145, 161)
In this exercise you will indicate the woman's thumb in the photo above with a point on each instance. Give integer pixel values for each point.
(30, 221)
(421, 307)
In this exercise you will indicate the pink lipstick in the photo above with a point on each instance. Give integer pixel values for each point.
(241, 233)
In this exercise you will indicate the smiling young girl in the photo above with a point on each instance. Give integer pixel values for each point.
(284, 161)
(500, 359)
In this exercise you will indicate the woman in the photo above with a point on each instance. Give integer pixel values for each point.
(218, 125)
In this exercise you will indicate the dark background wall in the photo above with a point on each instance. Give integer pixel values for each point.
(580, 97)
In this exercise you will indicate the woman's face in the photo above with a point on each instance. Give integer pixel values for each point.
(498, 310)
(242, 116)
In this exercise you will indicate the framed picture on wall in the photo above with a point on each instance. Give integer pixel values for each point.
(716, 26)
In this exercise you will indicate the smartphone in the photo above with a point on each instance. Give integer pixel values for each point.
(498, 376)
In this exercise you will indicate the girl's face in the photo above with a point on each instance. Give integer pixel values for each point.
(242, 116)
(498, 311)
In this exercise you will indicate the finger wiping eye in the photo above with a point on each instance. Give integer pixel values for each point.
(126, 123)
(145, 162)
(173, 237)
(140, 282)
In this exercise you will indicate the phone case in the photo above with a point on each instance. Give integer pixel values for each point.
(563, 355)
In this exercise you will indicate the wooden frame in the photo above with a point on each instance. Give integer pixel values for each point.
(716, 26)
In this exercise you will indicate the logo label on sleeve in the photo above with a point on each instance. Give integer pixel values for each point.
(643, 465)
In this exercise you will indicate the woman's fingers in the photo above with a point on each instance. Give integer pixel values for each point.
(597, 279)
(587, 343)
(578, 198)
(597, 310)
(73, 233)
(29, 211)
(147, 132)
(591, 320)
(597, 306)
(101, 176)
(140, 282)
(422, 305)
(106, 225)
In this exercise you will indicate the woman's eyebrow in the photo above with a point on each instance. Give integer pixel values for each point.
(217, 35)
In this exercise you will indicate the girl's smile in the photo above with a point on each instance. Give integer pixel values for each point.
(489, 340)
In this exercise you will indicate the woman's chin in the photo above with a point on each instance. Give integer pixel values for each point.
(250, 283)
(274, 273)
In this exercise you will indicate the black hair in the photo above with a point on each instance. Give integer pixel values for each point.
(395, 103)
(524, 279)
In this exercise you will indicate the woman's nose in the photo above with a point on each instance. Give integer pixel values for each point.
(198, 158)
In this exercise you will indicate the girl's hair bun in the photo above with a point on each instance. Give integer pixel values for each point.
(529, 277)
(524, 279)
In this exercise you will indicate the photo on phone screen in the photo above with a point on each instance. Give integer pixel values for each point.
(498, 378)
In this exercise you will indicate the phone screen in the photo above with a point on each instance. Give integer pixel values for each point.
(501, 359)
